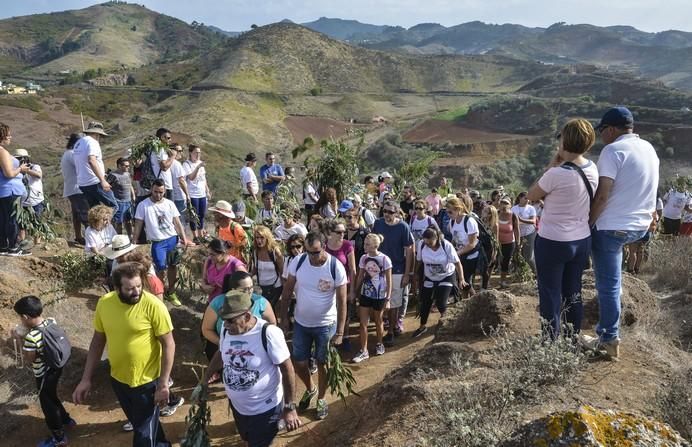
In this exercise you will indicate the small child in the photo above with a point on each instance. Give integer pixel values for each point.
(29, 308)
(374, 284)
(100, 231)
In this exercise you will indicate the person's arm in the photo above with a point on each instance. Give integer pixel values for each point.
(515, 229)
(165, 165)
(351, 259)
(6, 165)
(460, 275)
(605, 185)
(409, 253)
(204, 284)
(215, 364)
(288, 379)
(531, 221)
(193, 174)
(473, 238)
(181, 231)
(98, 343)
(388, 277)
(340, 314)
(33, 173)
(209, 325)
(268, 314)
(289, 286)
(415, 280)
(138, 229)
(183, 187)
(356, 285)
(278, 178)
(133, 196)
(536, 193)
(93, 163)
(167, 355)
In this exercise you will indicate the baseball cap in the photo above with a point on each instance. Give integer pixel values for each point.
(345, 206)
(238, 208)
(616, 117)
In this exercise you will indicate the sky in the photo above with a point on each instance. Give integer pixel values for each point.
(239, 15)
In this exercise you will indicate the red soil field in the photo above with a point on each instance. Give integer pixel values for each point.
(439, 131)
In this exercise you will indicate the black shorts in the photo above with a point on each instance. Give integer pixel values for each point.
(371, 303)
(671, 226)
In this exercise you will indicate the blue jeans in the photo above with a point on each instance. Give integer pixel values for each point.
(559, 267)
(123, 213)
(141, 410)
(607, 258)
(200, 206)
(303, 338)
(95, 195)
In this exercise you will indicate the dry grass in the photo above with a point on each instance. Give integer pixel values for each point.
(669, 262)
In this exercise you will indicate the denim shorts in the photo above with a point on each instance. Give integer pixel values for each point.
(259, 429)
(123, 212)
(303, 337)
(162, 252)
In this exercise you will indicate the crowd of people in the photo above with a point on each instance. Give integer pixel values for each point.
(312, 268)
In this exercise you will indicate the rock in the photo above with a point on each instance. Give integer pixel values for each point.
(638, 301)
(592, 427)
(485, 310)
(57, 244)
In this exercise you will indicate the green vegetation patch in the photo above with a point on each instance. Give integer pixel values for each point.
(453, 115)
(31, 102)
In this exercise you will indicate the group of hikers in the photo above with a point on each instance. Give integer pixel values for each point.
(310, 270)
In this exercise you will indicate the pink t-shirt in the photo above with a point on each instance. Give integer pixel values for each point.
(215, 275)
(434, 202)
(567, 204)
(342, 255)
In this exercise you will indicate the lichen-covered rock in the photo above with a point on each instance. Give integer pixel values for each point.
(592, 427)
(483, 311)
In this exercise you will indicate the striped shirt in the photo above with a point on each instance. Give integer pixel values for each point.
(33, 342)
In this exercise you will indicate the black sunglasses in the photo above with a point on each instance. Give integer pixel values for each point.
(313, 253)
(296, 246)
(420, 209)
(339, 232)
(389, 212)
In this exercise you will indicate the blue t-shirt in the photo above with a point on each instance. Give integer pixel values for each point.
(12, 186)
(396, 239)
(266, 171)
(259, 305)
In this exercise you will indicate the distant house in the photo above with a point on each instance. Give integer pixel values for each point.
(32, 87)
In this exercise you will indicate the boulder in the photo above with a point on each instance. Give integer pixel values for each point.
(475, 316)
(592, 427)
(638, 301)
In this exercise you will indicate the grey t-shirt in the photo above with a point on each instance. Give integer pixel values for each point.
(122, 186)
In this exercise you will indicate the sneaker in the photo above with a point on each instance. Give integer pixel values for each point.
(388, 340)
(127, 426)
(173, 299)
(312, 365)
(611, 348)
(52, 442)
(322, 409)
(17, 251)
(361, 356)
(4, 251)
(420, 331)
(304, 403)
(379, 349)
(169, 409)
(69, 423)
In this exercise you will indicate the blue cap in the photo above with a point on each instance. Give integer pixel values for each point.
(345, 206)
(616, 117)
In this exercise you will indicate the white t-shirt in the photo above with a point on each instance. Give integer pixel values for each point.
(525, 212)
(158, 218)
(85, 147)
(284, 233)
(675, 204)
(197, 187)
(374, 275)
(316, 291)
(460, 237)
(156, 158)
(247, 175)
(567, 203)
(437, 264)
(419, 226)
(35, 191)
(69, 174)
(98, 239)
(687, 215)
(251, 375)
(632, 163)
(177, 171)
(307, 190)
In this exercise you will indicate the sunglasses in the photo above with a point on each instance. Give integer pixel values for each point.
(389, 211)
(313, 253)
(296, 246)
(341, 232)
(420, 209)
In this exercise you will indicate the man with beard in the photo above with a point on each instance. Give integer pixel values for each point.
(137, 328)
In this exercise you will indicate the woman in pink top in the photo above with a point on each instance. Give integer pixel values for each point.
(219, 264)
(563, 244)
(342, 249)
(508, 235)
(434, 201)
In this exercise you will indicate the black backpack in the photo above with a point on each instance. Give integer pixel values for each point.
(56, 346)
(485, 239)
(147, 170)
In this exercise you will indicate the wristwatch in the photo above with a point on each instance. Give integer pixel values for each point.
(291, 406)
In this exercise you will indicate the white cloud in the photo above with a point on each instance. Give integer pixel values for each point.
(240, 14)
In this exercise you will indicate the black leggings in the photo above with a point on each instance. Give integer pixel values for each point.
(53, 410)
(507, 251)
(8, 223)
(488, 267)
(469, 266)
(439, 292)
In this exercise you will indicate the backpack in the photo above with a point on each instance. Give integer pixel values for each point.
(147, 176)
(332, 264)
(56, 345)
(485, 240)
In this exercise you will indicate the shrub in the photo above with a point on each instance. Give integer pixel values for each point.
(675, 402)
(669, 261)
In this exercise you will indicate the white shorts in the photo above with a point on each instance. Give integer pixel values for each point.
(397, 298)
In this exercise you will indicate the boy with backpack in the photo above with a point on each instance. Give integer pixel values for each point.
(46, 346)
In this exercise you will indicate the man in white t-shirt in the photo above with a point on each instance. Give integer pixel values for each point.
(319, 281)
(161, 162)
(91, 175)
(161, 219)
(178, 176)
(675, 202)
(79, 208)
(248, 180)
(526, 214)
(620, 214)
(257, 372)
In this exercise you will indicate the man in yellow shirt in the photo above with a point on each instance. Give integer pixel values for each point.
(137, 329)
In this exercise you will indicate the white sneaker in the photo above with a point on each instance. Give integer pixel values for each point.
(168, 410)
(127, 426)
(361, 356)
(379, 349)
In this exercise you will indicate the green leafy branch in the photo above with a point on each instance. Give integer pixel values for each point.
(199, 415)
(339, 377)
(34, 226)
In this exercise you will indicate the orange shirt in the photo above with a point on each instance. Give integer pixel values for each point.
(235, 235)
